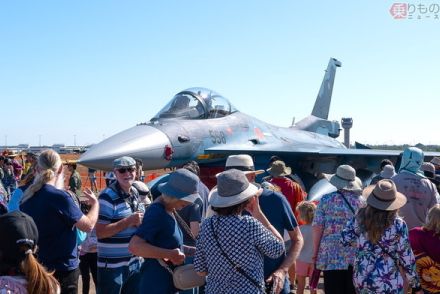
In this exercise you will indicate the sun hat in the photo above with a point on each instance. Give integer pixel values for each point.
(232, 188)
(428, 169)
(345, 178)
(278, 168)
(388, 172)
(182, 184)
(124, 161)
(435, 161)
(384, 195)
(18, 229)
(242, 162)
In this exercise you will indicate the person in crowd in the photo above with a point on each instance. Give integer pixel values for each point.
(3, 202)
(387, 172)
(379, 177)
(30, 163)
(14, 202)
(75, 182)
(425, 242)
(2, 166)
(159, 239)
(380, 237)
(436, 162)
(120, 214)
(229, 239)
(20, 271)
(144, 195)
(294, 177)
(290, 189)
(9, 181)
(109, 178)
(91, 175)
(419, 191)
(277, 210)
(55, 214)
(88, 256)
(140, 176)
(304, 262)
(332, 213)
(203, 191)
(428, 170)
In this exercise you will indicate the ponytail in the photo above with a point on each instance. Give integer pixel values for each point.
(39, 280)
(48, 164)
(41, 179)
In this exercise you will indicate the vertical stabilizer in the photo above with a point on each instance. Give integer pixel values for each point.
(322, 103)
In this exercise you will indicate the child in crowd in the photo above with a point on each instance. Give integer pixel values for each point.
(425, 242)
(304, 263)
(20, 272)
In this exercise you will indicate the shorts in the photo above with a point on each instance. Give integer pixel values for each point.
(304, 269)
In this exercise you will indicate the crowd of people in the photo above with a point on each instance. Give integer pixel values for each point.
(239, 237)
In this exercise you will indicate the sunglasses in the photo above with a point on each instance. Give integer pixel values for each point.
(125, 169)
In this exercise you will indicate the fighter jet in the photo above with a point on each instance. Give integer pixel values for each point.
(202, 125)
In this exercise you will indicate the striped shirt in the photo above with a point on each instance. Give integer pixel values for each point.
(115, 205)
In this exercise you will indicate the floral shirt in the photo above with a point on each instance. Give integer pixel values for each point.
(332, 214)
(375, 271)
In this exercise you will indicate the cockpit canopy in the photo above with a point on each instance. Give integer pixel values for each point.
(196, 103)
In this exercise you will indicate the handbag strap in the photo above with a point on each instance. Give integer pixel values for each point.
(346, 201)
(234, 265)
(183, 225)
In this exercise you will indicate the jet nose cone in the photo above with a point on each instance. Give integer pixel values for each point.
(144, 142)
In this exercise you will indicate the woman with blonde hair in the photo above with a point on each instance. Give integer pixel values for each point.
(56, 216)
(425, 242)
(20, 272)
(383, 252)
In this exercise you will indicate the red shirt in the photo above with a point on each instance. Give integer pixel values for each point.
(424, 241)
(291, 190)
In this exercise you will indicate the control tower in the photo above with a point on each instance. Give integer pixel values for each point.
(347, 123)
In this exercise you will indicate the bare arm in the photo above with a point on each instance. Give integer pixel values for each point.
(108, 230)
(195, 228)
(140, 247)
(280, 274)
(87, 222)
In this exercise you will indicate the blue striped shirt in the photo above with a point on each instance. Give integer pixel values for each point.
(114, 205)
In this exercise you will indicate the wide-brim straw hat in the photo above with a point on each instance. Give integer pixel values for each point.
(243, 162)
(384, 196)
(232, 188)
(345, 179)
(278, 168)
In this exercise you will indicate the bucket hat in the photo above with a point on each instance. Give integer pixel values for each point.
(388, 172)
(345, 178)
(278, 168)
(435, 161)
(18, 229)
(384, 196)
(242, 162)
(232, 188)
(182, 184)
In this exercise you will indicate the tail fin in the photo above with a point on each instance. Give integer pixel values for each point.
(322, 103)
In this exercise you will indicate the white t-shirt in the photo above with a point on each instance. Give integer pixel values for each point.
(306, 253)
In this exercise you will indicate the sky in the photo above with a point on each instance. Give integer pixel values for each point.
(76, 72)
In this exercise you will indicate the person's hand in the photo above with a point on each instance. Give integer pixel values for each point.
(277, 279)
(176, 256)
(135, 219)
(90, 196)
(253, 206)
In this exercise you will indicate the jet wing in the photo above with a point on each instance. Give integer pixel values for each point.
(307, 150)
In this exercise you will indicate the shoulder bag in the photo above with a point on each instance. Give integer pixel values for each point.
(185, 276)
(233, 264)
